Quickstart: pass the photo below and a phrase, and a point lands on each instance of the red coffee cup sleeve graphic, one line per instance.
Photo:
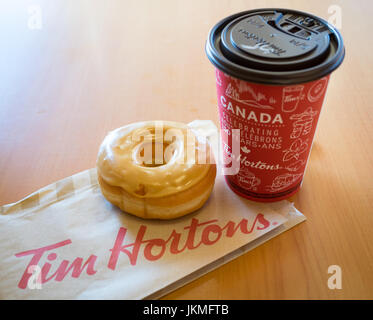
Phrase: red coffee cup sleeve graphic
(277, 125)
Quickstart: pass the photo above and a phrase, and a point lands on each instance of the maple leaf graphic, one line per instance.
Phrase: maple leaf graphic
(244, 149)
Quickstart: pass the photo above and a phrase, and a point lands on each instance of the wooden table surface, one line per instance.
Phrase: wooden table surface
(93, 66)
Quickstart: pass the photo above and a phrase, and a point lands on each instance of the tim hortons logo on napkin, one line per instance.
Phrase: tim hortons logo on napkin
(209, 232)
(82, 247)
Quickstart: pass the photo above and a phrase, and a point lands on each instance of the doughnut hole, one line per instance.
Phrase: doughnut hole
(152, 154)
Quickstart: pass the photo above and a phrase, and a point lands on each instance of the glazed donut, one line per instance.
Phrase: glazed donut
(156, 169)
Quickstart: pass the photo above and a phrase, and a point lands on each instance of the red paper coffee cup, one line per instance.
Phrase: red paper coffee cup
(272, 72)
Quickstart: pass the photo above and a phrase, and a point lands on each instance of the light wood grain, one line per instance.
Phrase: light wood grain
(97, 65)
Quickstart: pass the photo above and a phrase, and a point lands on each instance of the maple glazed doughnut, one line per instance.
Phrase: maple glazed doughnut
(156, 169)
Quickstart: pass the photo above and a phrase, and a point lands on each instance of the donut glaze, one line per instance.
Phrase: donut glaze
(156, 169)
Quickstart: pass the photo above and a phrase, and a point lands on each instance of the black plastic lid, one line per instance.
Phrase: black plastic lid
(275, 46)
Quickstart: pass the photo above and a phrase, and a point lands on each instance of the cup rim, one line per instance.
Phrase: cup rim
(220, 61)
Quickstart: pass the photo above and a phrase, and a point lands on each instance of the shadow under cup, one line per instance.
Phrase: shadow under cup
(272, 71)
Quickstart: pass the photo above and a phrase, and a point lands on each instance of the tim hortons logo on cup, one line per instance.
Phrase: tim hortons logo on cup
(196, 234)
